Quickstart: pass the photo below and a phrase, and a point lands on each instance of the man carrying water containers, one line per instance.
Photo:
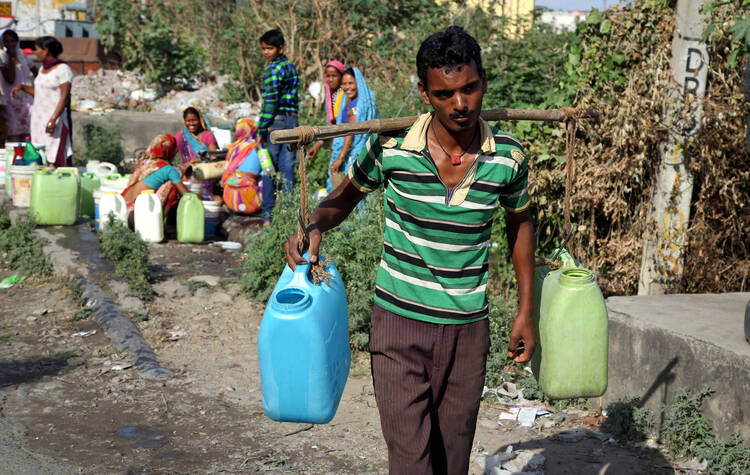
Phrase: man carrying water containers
(442, 179)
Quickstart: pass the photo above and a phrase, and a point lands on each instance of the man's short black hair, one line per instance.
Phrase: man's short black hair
(448, 49)
(273, 38)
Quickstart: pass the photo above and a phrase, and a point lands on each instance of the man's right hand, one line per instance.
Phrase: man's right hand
(293, 254)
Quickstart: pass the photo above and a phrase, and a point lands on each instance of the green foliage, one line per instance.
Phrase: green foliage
(103, 143)
(354, 247)
(129, 253)
(262, 266)
(726, 457)
(82, 314)
(500, 319)
(627, 420)
(737, 28)
(150, 40)
(686, 430)
(21, 247)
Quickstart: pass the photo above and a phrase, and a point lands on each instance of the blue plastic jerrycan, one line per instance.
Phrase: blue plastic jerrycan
(303, 347)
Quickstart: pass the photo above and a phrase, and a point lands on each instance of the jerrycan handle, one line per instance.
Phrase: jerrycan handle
(300, 278)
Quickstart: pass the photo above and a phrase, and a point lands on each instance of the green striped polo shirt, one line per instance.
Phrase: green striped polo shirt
(435, 260)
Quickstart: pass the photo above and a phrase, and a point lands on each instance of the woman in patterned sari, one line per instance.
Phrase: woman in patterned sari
(241, 178)
(154, 171)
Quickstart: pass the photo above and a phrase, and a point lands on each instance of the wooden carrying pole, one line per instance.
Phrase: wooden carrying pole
(323, 132)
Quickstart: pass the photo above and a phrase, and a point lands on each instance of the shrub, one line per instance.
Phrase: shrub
(627, 420)
(21, 247)
(726, 457)
(686, 430)
(103, 143)
(129, 253)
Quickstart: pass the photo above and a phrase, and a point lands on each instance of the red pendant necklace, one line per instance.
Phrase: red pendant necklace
(455, 159)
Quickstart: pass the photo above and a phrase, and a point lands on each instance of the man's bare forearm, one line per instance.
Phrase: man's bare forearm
(333, 210)
(520, 231)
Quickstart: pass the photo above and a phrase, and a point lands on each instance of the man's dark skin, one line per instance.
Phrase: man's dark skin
(455, 95)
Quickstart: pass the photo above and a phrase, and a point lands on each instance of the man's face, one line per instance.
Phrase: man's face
(456, 95)
(270, 52)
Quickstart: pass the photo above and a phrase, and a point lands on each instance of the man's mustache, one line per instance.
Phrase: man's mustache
(462, 114)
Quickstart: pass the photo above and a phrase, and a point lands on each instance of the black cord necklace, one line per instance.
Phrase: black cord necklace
(455, 159)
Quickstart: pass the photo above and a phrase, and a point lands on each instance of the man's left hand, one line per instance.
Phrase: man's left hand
(522, 338)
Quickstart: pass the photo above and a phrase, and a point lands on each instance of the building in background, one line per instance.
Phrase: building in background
(563, 20)
(517, 15)
(70, 21)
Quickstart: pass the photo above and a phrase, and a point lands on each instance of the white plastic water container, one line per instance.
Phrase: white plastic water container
(149, 219)
(196, 187)
(100, 169)
(114, 203)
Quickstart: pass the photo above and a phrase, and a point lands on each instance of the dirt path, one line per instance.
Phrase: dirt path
(69, 402)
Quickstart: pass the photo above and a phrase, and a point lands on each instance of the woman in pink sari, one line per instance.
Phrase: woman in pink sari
(195, 137)
(15, 69)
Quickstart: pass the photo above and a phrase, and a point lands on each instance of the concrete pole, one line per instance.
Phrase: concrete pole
(665, 239)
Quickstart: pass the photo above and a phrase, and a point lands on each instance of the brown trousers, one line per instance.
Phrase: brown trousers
(428, 382)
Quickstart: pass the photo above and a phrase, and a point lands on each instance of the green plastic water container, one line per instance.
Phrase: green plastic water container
(570, 360)
(54, 196)
(190, 219)
(89, 183)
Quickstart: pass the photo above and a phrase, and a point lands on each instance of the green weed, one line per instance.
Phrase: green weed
(108, 351)
(194, 285)
(686, 430)
(66, 353)
(139, 317)
(74, 292)
(129, 253)
(82, 314)
(728, 457)
(21, 248)
(627, 420)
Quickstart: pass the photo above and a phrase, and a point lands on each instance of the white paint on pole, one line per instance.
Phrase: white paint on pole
(665, 239)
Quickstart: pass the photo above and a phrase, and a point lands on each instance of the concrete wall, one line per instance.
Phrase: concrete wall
(658, 344)
(137, 129)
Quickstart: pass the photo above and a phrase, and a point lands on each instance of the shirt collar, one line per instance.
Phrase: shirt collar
(416, 137)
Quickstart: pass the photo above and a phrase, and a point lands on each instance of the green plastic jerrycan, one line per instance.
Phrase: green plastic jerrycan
(190, 219)
(54, 196)
(89, 183)
(570, 360)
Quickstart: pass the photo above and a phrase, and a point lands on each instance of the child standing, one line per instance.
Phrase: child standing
(279, 111)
